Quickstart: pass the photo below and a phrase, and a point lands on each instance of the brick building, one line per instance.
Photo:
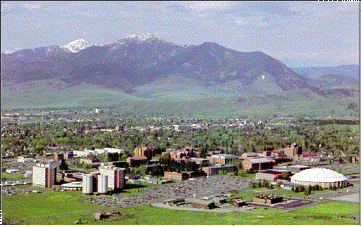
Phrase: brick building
(223, 159)
(256, 164)
(267, 199)
(143, 152)
(176, 176)
(142, 155)
(184, 175)
(271, 175)
(63, 155)
(293, 151)
(213, 170)
(44, 175)
(88, 160)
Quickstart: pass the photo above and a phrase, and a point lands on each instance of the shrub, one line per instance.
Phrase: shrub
(307, 191)
(297, 189)
(302, 189)
(251, 184)
(278, 184)
(241, 173)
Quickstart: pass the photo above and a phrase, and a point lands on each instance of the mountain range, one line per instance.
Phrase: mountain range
(143, 67)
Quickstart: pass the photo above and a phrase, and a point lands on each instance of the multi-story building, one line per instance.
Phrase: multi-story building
(143, 152)
(44, 175)
(293, 151)
(184, 175)
(58, 155)
(89, 160)
(63, 155)
(271, 174)
(176, 176)
(213, 170)
(116, 176)
(223, 159)
(256, 164)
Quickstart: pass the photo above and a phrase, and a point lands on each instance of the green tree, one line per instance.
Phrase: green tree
(251, 184)
(307, 191)
(279, 184)
(297, 189)
(63, 165)
(242, 173)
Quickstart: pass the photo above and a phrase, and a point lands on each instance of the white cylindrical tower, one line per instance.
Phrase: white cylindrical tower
(103, 184)
(88, 184)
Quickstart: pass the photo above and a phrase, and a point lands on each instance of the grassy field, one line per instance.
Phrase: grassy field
(245, 176)
(33, 205)
(244, 195)
(324, 214)
(167, 100)
(5, 175)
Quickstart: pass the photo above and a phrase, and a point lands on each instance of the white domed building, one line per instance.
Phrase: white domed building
(325, 178)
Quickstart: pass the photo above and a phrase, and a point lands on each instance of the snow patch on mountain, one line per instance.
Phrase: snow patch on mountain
(77, 45)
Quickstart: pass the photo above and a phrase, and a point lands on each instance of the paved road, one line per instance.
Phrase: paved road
(343, 195)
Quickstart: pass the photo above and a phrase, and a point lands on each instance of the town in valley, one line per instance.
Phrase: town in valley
(214, 165)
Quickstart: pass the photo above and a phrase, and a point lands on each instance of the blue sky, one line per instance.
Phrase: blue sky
(300, 34)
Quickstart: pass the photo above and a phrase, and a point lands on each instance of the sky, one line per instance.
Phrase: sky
(300, 34)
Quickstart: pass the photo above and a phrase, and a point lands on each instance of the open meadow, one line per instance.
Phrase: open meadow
(54, 208)
(324, 214)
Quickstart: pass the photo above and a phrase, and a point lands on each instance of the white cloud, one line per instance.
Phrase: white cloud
(5, 6)
(32, 5)
(201, 6)
(257, 21)
(348, 7)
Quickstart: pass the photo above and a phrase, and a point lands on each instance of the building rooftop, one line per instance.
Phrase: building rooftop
(215, 167)
(199, 201)
(267, 197)
(224, 156)
(274, 171)
(258, 160)
(318, 175)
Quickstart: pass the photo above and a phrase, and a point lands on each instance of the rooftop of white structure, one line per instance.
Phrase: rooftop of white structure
(319, 175)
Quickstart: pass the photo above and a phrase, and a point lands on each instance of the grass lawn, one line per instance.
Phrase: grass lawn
(245, 176)
(324, 214)
(38, 205)
(23, 186)
(284, 191)
(9, 176)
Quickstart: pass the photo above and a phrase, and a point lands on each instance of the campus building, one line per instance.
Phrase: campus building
(116, 176)
(223, 159)
(255, 164)
(213, 170)
(325, 178)
(183, 176)
(271, 174)
(44, 175)
(108, 178)
(142, 155)
(293, 151)
(267, 199)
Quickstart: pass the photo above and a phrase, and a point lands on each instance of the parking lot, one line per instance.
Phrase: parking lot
(201, 187)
